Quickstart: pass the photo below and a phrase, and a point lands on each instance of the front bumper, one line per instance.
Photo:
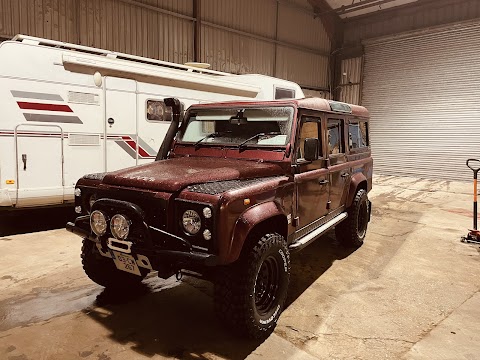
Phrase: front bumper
(175, 250)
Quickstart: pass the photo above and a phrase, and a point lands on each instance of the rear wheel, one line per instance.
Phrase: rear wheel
(353, 229)
(103, 271)
(250, 294)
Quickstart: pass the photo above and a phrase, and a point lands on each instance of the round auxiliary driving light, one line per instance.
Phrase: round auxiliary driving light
(98, 223)
(191, 222)
(78, 209)
(120, 226)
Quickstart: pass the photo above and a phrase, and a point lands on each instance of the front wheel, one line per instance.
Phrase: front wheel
(103, 271)
(353, 229)
(250, 295)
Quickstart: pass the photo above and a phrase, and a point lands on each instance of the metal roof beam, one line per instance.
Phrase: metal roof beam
(361, 5)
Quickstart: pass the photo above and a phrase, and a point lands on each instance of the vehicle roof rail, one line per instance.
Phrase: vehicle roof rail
(113, 54)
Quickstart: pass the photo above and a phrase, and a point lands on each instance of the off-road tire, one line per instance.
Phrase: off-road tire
(102, 270)
(242, 300)
(352, 231)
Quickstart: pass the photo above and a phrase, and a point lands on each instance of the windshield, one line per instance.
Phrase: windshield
(239, 126)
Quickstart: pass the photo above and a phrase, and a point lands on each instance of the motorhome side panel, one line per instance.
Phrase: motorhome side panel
(58, 124)
(42, 108)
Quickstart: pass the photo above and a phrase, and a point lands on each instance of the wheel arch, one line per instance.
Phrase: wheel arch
(358, 181)
(259, 219)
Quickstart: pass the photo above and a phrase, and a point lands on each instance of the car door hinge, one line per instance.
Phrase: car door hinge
(296, 221)
(329, 203)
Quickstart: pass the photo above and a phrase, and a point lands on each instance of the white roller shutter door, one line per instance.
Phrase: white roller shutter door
(423, 93)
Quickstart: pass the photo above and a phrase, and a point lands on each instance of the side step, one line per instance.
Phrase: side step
(310, 237)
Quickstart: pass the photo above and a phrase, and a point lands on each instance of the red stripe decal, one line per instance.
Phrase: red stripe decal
(38, 106)
(143, 153)
(133, 145)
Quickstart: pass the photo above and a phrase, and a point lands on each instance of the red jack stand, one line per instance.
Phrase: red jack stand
(473, 236)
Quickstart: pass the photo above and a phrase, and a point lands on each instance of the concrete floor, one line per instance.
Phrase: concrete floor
(411, 291)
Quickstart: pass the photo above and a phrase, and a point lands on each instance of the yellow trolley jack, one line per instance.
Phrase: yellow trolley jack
(473, 236)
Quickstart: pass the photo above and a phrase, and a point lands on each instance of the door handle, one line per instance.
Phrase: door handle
(323, 182)
(24, 159)
(344, 175)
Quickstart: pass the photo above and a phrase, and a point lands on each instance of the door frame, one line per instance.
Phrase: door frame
(16, 153)
(105, 122)
(344, 155)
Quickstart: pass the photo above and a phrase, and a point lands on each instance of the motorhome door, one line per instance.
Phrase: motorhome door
(39, 165)
(120, 123)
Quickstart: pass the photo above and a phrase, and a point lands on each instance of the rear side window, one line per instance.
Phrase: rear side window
(358, 135)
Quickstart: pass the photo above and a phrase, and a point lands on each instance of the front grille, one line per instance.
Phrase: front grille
(155, 209)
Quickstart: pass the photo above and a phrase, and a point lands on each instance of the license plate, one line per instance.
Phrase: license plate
(125, 262)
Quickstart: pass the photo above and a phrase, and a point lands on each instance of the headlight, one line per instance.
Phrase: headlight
(120, 226)
(191, 222)
(98, 222)
(77, 192)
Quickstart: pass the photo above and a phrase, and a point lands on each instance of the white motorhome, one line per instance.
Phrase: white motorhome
(67, 110)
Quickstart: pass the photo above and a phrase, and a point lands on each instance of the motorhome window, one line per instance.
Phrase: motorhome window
(158, 111)
(358, 135)
(335, 137)
(283, 93)
(234, 126)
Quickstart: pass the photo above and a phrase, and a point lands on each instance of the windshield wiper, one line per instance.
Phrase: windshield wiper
(242, 144)
(211, 135)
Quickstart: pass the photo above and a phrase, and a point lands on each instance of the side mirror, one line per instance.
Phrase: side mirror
(311, 147)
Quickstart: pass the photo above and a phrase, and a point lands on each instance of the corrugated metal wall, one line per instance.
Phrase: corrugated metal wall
(424, 14)
(53, 19)
(422, 93)
(421, 90)
(133, 29)
(351, 79)
(299, 27)
(268, 40)
(241, 36)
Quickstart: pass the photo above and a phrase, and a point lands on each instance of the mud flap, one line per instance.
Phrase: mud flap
(369, 210)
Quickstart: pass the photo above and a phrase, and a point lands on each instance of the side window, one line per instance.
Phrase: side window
(309, 129)
(158, 111)
(335, 137)
(358, 135)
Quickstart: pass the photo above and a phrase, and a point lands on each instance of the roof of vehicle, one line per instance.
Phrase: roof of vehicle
(310, 103)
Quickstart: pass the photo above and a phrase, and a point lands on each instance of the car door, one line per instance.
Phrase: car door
(311, 178)
(339, 172)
